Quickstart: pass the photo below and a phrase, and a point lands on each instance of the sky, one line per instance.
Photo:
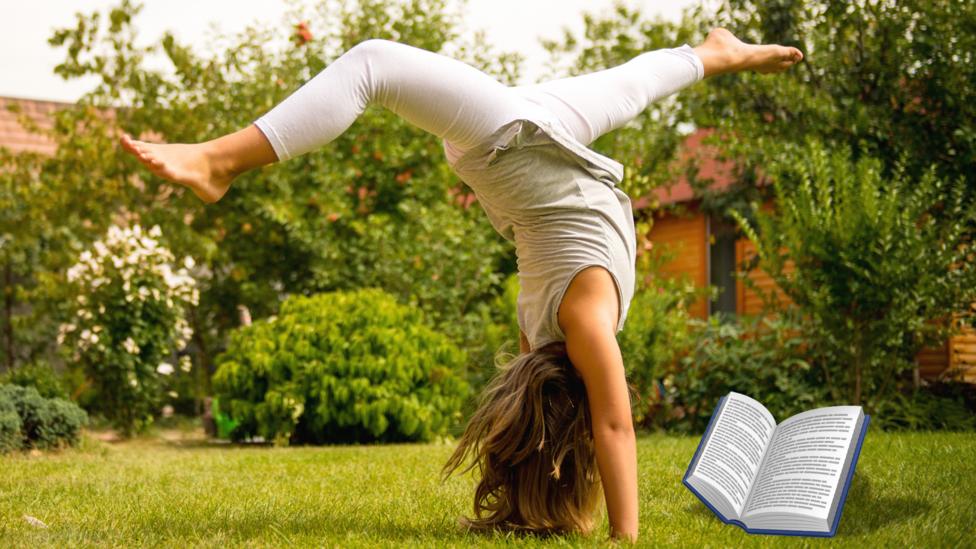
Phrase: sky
(27, 61)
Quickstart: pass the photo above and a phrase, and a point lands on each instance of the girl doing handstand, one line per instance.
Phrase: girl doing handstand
(555, 423)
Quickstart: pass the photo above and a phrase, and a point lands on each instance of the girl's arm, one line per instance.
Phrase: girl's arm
(588, 317)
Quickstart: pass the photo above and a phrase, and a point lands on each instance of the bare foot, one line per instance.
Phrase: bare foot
(722, 52)
(189, 165)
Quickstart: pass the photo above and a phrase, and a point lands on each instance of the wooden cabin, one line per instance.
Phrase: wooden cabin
(709, 251)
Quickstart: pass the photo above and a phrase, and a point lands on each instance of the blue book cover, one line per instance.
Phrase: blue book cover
(853, 452)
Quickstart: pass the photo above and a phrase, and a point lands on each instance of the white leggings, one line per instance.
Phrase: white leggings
(462, 105)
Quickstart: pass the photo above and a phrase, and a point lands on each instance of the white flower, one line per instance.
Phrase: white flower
(165, 368)
(188, 262)
(133, 382)
(100, 248)
(155, 232)
(185, 363)
(131, 346)
(74, 272)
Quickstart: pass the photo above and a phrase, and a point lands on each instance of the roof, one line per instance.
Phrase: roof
(17, 138)
(710, 167)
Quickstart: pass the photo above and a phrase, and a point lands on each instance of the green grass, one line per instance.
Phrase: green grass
(911, 489)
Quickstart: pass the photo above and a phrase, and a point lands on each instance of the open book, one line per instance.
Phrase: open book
(790, 478)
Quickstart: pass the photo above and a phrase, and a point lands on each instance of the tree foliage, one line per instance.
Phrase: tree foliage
(341, 367)
(378, 206)
(878, 264)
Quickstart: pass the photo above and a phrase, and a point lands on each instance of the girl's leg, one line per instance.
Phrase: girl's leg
(593, 104)
(443, 96)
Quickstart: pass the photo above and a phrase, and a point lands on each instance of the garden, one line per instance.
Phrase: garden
(293, 365)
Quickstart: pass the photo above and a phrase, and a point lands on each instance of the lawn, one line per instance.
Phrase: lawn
(910, 489)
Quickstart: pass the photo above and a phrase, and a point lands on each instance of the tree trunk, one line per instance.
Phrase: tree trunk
(8, 313)
(204, 364)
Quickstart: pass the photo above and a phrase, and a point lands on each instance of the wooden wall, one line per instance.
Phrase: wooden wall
(687, 238)
(962, 355)
(747, 300)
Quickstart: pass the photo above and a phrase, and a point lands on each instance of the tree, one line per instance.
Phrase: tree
(332, 219)
(879, 263)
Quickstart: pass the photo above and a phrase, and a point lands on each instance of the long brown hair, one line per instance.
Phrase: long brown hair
(531, 441)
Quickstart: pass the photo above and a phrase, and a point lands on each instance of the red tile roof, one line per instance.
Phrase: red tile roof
(17, 138)
(709, 167)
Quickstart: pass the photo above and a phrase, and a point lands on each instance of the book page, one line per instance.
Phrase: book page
(731, 457)
(806, 456)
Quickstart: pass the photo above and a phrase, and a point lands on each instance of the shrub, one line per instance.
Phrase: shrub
(11, 437)
(764, 358)
(341, 367)
(655, 332)
(876, 261)
(44, 422)
(129, 316)
(38, 375)
(498, 327)
(943, 405)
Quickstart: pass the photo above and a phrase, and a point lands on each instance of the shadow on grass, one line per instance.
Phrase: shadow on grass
(866, 511)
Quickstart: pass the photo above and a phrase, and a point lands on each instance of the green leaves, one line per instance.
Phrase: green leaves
(879, 262)
(342, 367)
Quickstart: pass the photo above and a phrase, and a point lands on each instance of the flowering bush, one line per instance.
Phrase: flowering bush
(129, 317)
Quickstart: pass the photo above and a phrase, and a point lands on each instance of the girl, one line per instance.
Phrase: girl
(555, 422)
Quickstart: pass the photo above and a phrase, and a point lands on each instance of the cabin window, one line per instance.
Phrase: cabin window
(721, 266)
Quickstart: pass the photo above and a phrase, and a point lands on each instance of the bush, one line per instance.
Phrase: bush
(38, 375)
(341, 367)
(940, 405)
(876, 261)
(11, 437)
(765, 359)
(44, 422)
(655, 332)
(498, 330)
(129, 316)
